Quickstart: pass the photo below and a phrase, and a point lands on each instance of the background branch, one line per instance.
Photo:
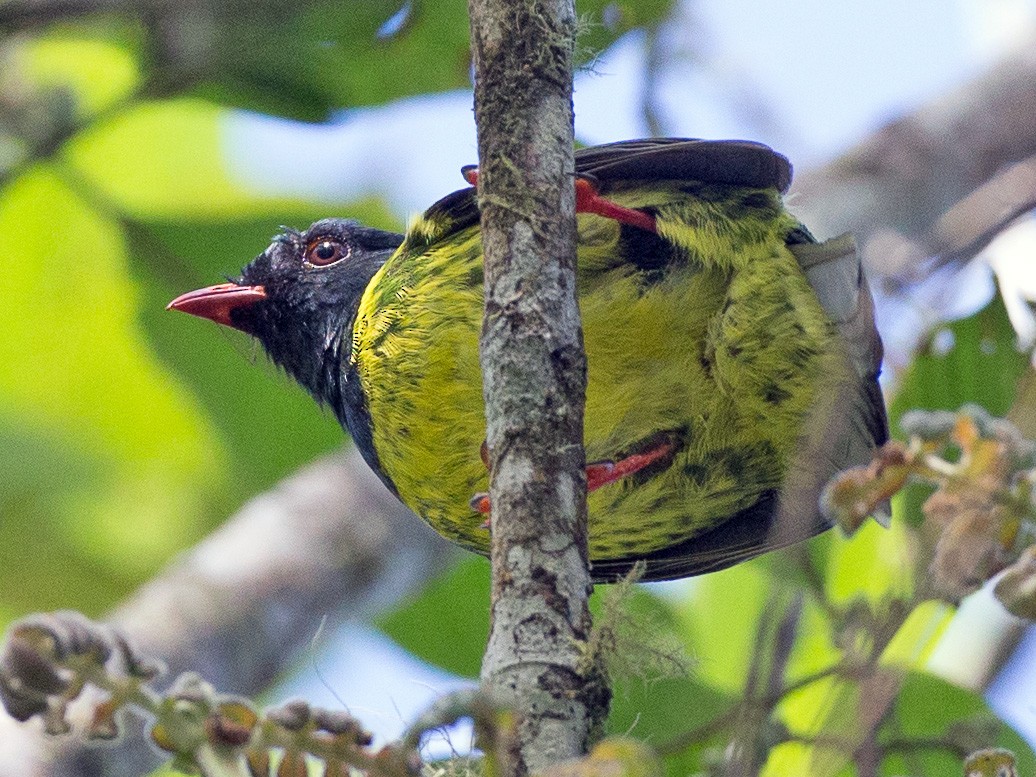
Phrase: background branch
(916, 168)
(243, 604)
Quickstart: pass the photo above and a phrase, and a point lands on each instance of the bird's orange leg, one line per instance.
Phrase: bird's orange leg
(588, 200)
(598, 473)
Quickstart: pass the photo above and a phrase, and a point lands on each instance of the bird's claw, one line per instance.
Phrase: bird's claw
(589, 200)
(598, 473)
(480, 503)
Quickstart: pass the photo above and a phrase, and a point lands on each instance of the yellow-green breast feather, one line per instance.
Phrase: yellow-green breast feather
(719, 344)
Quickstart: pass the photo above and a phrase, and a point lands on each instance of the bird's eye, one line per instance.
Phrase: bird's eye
(325, 251)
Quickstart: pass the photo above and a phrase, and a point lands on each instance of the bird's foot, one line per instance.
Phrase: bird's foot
(589, 200)
(598, 473)
(601, 473)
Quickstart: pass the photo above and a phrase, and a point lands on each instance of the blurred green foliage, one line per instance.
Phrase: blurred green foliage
(126, 434)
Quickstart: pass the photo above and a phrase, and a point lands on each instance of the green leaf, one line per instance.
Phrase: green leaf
(843, 711)
(75, 368)
(97, 72)
(304, 60)
(931, 725)
(918, 636)
(448, 622)
(930, 708)
(723, 615)
(982, 366)
(41, 473)
(722, 644)
(165, 159)
(875, 564)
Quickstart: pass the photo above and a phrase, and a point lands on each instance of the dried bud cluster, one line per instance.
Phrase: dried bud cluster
(192, 717)
(290, 732)
(994, 762)
(862, 491)
(617, 756)
(47, 661)
(982, 513)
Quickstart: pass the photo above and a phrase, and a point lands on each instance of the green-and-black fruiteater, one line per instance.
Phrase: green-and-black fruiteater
(732, 359)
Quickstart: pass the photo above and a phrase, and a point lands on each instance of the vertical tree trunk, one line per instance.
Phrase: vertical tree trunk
(534, 373)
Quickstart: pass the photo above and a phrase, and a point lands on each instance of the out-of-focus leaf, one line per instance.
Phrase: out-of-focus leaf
(915, 640)
(304, 59)
(982, 366)
(928, 707)
(722, 619)
(73, 364)
(875, 564)
(162, 160)
(97, 72)
(75, 370)
(721, 616)
(448, 622)
(844, 711)
(787, 759)
(41, 473)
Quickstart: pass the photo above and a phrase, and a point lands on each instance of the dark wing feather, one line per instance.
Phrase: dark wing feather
(743, 536)
(730, 162)
(834, 270)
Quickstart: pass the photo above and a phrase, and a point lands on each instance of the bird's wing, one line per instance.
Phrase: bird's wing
(850, 419)
(834, 271)
(730, 162)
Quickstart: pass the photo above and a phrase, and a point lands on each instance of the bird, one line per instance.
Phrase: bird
(732, 358)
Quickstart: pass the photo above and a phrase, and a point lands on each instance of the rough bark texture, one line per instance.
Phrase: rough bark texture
(241, 605)
(534, 371)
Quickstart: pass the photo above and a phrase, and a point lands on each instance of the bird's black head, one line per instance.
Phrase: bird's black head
(299, 298)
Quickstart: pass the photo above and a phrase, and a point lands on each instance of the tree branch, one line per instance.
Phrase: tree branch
(534, 373)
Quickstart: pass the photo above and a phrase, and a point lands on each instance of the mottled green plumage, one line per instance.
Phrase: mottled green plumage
(708, 334)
